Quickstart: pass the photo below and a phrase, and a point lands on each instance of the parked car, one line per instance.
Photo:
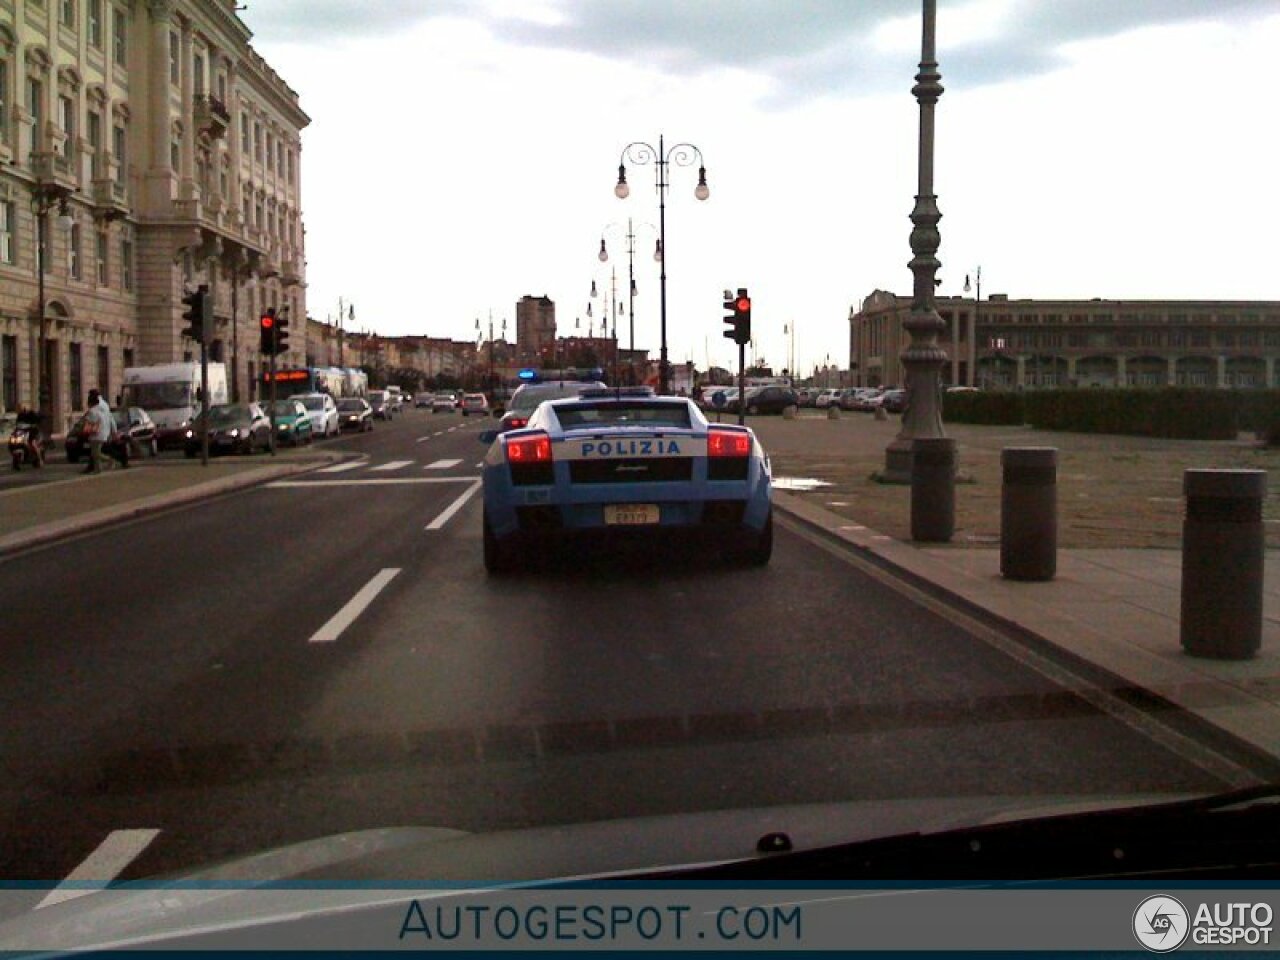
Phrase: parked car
(293, 426)
(140, 427)
(763, 400)
(322, 411)
(709, 395)
(474, 403)
(421, 400)
(825, 397)
(355, 413)
(233, 428)
(379, 401)
(866, 398)
(807, 396)
(894, 401)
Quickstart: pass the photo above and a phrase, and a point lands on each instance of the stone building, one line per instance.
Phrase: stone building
(154, 150)
(1050, 343)
(535, 326)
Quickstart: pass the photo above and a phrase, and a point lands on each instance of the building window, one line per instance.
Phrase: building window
(128, 358)
(119, 36)
(9, 363)
(95, 23)
(118, 141)
(73, 252)
(102, 258)
(1226, 338)
(271, 154)
(95, 142)
(257, 142)
(104, 371)
(1199, 338)
(67, 13)
(4, 100)
(175, 58)
(174, 154)
(6, 231)
(289, 164)
(75, 375)
(222, 87)
(126, 264)
(1177, 338)
(1151, 338)
(35, 100)
(67, 118)
(244, 133)
(197, 71)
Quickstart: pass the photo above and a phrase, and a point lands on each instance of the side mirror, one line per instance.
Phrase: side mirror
(487, 436)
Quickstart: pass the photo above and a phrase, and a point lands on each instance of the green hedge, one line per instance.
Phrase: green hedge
(1189, 413)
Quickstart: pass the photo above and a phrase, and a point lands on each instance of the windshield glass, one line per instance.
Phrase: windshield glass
(1014, 568)
(614, 414)
(285, 408)
(160, 396)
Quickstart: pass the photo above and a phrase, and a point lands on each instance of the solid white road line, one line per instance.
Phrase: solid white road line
(365, 481)
(355, 606)
(454, 507)
(442, 465)
(393, 465)
(102, 866)
(340, 467)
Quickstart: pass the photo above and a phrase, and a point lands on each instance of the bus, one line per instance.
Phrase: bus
(335, 381)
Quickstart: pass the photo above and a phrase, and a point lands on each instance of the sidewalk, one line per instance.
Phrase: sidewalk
(45, 512)
(1116, 608)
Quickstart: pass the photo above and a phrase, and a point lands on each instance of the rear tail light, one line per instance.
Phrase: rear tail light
(516, 423)
(530, 460)
(728, 443)
(535, 448)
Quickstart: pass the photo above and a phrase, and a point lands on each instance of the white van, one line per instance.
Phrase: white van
(170, 393)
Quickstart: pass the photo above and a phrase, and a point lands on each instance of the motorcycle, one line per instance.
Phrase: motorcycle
(24, 446)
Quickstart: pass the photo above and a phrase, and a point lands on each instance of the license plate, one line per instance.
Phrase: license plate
(630, 514)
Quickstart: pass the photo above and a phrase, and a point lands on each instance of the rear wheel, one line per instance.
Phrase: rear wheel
(498, 556)
(752, 409)
(756, 548)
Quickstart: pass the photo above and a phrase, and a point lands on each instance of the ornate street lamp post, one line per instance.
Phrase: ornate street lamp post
(683, 155)
(924, 358)
(973, 325)
(631, 276)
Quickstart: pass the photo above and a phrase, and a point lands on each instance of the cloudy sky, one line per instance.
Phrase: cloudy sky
(463, 153)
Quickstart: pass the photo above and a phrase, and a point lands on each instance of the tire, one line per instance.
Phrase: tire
(498, 557)
(756, 549)
(73, 457)
(752, 409)
(155, 447)
(191, 454)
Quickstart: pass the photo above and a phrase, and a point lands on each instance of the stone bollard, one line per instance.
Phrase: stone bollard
(882, 413)
(789, 412)
(933, 489)
(833, 412)
(1029, 513)
(1222, 563)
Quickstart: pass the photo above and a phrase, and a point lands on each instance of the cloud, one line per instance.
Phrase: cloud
(807, 49)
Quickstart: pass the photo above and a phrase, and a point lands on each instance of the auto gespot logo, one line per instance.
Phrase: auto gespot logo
(1161, 924)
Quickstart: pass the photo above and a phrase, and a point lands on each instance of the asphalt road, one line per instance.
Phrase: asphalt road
(204, 677)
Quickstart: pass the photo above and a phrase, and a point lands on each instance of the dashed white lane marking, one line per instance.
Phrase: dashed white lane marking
(117, 851)
(442, 465)
(355, 606)
(340, 467)
(392, 465)
(363, 481)
(447, 514)
(420, 439)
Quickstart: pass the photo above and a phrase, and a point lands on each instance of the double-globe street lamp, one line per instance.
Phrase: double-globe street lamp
(682, 155)
(46, 195)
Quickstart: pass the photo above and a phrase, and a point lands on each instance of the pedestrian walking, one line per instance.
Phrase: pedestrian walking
(116, 445)
(97, 430)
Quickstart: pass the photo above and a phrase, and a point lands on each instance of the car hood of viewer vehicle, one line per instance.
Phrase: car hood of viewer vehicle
(376, 868)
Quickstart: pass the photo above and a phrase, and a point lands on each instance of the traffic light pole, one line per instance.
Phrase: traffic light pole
(204, 401)
(272, 399)
(742, 380)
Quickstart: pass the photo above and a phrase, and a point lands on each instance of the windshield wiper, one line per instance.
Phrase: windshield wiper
(1227, 836)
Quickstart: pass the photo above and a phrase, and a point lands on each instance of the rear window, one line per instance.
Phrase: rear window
(527, 397)
(615, 414)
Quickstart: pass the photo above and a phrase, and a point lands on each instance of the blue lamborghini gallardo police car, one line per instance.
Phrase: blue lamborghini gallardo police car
(622, 462)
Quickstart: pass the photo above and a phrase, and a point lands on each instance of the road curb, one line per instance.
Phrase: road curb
(106, 516)
(1244, 720)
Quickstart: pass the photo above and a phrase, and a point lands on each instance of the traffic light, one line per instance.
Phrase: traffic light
(267, 332)
(282, 331)
(738, 317)
(196, 314)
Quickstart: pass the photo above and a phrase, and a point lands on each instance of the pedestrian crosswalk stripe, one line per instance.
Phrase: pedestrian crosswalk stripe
(340, 467)
(393, 465)
(442, 465)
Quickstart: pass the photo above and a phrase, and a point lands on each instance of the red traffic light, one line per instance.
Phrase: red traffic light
(268, 321)
(742, 304)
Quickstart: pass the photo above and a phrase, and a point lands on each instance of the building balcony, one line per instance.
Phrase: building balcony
(211, 115)
(50, 167)
(110, 198)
